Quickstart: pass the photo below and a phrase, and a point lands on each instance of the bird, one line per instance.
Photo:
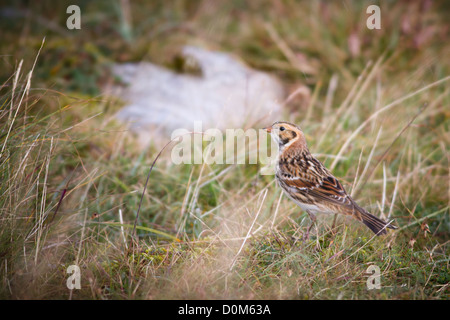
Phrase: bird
(307, 182)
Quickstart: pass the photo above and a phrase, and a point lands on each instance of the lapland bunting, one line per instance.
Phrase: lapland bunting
(309, 184)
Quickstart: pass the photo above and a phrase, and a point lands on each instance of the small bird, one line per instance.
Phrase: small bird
(307, 182)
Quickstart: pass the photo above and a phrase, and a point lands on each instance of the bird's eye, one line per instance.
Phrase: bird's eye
(282, 128)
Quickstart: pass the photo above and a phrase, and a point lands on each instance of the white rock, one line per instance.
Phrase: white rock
(227, 95)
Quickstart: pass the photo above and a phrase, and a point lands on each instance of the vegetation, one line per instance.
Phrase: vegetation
(374, 105)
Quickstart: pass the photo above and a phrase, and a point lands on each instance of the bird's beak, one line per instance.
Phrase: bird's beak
(268, 129)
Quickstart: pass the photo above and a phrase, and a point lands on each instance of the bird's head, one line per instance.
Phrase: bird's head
(286, 134)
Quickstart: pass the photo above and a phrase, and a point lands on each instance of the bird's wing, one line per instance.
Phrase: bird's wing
(308, 176)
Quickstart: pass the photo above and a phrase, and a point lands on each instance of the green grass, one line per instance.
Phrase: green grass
(69, 171)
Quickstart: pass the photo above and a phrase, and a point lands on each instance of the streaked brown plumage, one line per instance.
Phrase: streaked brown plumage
(309, 184)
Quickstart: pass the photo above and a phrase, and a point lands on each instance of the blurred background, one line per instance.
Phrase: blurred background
(374, 105)
(317, 38)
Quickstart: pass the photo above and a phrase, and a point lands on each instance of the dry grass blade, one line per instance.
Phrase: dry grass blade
(385, 108)
(421, 110)
(148, 176)
(249, 230)
(423, 218)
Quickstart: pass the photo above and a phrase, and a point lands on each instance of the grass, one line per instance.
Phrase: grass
(374, 106)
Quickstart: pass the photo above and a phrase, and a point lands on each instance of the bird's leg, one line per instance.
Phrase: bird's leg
(313, 221)
(334, 223)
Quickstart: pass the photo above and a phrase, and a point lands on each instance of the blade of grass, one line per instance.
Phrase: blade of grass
(385, 108)
(125, 225)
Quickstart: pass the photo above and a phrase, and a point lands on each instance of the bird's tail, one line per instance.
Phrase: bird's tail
(375, 224)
